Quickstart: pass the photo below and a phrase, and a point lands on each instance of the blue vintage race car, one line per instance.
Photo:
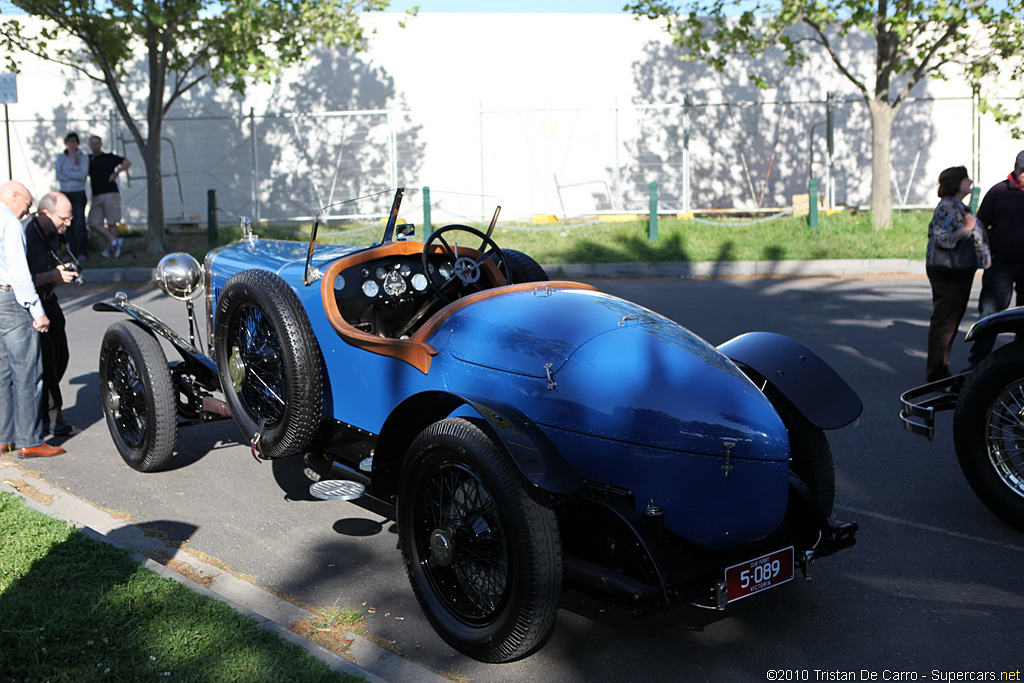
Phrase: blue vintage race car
(530, 433)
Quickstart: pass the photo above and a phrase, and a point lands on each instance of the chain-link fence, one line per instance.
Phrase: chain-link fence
(738, 156)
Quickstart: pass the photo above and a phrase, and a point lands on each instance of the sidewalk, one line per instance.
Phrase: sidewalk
(811, 268)
(372, 662)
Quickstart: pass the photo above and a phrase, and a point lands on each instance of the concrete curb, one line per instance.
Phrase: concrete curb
(372, 662)
(721, 269)
(811, 268)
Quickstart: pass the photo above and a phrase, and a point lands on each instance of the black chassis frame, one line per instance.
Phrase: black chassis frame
(611, 552)
(918, 406)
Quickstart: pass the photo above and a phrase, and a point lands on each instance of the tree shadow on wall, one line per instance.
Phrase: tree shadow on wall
(745, 155)
(311, 147)
(336, 139)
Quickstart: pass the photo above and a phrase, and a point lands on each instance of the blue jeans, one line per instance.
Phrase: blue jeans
(997, 286)
(21, 375)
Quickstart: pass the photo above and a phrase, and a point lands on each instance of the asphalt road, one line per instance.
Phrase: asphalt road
(932, 586)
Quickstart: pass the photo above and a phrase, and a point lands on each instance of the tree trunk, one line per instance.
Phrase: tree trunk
(882, 117)
(154, 196)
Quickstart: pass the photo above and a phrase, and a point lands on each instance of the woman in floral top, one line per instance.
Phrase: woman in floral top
(952, 223)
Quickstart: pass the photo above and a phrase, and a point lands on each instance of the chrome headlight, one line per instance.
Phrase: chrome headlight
(180, 276)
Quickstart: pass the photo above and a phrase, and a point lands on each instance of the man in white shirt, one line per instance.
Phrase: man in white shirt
(21, 320)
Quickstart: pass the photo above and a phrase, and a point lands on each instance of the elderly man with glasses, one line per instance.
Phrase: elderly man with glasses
(22, 318)
(43, 237)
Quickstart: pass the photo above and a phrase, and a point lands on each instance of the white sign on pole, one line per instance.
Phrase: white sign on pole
(9, 88)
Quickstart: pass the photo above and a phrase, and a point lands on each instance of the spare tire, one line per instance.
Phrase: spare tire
(523, 267)
(269, 363)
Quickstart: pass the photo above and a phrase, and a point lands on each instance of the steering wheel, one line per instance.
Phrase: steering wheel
(466, 271)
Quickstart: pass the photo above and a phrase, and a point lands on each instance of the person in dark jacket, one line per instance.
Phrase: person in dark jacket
(1002, 215)
(43, 235)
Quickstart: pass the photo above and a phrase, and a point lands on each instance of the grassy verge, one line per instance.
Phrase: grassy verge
(838, 236)
(75, 609)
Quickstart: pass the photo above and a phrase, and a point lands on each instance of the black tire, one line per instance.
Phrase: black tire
(989, 434)
(269, 362)
(484, 558)
(137, 396)
(524, 268)
(809, 451)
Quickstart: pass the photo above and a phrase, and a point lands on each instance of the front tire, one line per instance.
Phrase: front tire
(484, 558)
(988, 431)
(137, 397)
(269, 362)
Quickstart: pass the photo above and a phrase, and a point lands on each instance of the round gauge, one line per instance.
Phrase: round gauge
(339, 283)
(446, 270)
(366, 272)
(380, 273)
(394, 285)
(370, 288)
(405, 270)
(419, 282)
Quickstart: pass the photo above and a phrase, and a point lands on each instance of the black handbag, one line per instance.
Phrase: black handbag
(960, 259)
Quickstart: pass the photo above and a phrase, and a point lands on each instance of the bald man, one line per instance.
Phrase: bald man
(21, 320)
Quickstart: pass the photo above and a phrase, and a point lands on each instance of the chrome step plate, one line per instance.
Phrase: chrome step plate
(337, 489)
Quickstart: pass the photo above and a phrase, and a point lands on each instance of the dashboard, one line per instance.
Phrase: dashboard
(390, 279)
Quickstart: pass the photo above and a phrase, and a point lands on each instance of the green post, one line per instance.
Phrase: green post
(812, 200)
(652, 223)
(975, 199)
(211, 217)
(427, 227)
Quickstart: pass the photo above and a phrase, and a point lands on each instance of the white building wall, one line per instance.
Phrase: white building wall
(545, 114)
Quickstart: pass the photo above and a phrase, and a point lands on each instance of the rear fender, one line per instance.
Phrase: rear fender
(1010, 320)
(538, 460)
(810, 384)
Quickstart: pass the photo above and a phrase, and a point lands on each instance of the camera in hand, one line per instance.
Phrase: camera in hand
(73, 267)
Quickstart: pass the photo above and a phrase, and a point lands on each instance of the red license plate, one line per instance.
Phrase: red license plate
(754, 576)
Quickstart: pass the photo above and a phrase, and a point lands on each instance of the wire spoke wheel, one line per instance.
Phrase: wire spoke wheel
(256, 350)
(459, 530)
(138, 396)
(129, 398)
(484, 556)
(988, 430)
(1005, 436)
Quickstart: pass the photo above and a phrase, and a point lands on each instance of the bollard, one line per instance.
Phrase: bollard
(812, 200)
(652, 223)
(427, 228)
(211, 217)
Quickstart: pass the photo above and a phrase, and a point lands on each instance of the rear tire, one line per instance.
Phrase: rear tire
(988, 431)
(809, 450)
(484, 558)
(137, 396)
(523, 267)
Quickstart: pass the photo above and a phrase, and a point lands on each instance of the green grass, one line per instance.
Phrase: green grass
(76, 609)
(838, 236)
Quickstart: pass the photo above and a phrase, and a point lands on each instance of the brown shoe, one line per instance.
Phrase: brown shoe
(7, 448)
(43, 451)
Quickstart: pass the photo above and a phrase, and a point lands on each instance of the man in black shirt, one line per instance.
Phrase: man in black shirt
(43, 236)
(106, 198)
(1002, 215)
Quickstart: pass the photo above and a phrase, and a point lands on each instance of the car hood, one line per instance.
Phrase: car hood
(612, 369)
